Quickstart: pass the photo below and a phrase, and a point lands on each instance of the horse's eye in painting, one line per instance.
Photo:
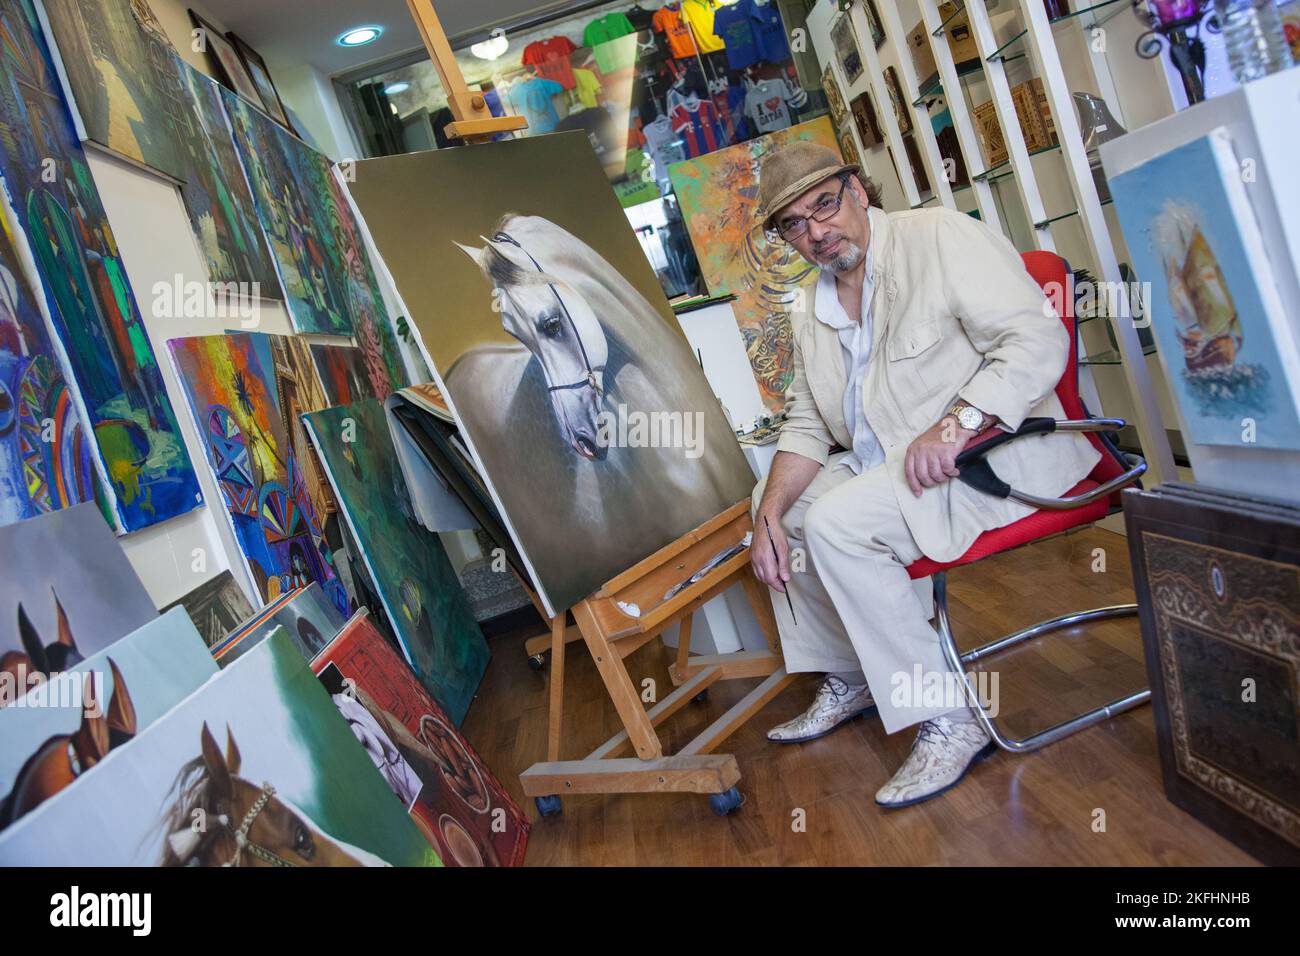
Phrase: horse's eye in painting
(302, 843)
(551, 325)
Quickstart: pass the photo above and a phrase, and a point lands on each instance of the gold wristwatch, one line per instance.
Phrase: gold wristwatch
(968, 417)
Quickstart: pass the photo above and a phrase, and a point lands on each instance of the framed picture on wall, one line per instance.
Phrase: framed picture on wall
(230, 70)
(261, 77)
(901, 111)
(846, 49)
(873, 20)
(834, 99)
(864, 115)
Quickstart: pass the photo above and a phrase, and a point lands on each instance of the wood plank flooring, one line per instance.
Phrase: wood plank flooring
(1034, 809)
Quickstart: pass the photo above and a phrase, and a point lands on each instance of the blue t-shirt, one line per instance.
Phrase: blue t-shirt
(533, 99)
(769, 31)
(732, 26)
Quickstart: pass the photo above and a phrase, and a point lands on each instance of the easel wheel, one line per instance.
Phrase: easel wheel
(549, 806)
(723, 803)
(701, 697)
(536, 662)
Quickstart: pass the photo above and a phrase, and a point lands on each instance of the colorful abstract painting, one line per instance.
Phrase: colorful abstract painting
(45, 459)
(234, 393)
(326, 274)
(115, 373)
(123, 81)
(450, 793)
(60, 731)
(311, 620)
(262, 744)
(550, 335)
(718, 194)
(67, 590)
(421, 594)
(342, 371)
(216, 195)
(1212, 301)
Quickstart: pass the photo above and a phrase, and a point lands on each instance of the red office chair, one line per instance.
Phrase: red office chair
(1090, 500)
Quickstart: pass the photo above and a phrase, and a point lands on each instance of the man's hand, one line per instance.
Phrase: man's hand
(932, 457)
(772, 569)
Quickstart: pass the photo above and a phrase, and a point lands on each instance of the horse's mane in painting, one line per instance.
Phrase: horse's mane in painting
(188, 792)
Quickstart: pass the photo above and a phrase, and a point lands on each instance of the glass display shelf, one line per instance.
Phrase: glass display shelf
(1065, 215)
(961, 7)
(1094, 15)
(1003, 170)
(1111, 357)
(934, 85)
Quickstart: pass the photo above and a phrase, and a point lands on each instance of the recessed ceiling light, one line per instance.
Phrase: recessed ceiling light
(396, 88)
(360, 36)
(492, 48)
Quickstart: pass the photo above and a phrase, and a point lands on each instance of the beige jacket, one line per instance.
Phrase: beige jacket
(954, 314)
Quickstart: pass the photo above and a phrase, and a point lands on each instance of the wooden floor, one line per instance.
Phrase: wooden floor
(1035, 809)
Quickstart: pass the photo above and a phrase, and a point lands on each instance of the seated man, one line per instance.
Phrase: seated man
(922, 331)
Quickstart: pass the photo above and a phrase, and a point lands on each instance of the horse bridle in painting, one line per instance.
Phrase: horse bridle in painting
(590, 380)
(243, 844)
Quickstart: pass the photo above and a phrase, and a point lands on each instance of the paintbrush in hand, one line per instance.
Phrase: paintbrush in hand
(772, 542)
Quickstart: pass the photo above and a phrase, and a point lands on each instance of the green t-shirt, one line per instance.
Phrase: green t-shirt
(599, 33)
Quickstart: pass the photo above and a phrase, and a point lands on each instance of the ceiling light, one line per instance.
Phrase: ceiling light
(491, 48)
(360, 36)
(395, 88)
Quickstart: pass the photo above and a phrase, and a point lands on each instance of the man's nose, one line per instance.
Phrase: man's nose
(816, 230)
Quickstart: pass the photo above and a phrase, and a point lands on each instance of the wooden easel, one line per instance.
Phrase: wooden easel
(474, 122)
(610, 633)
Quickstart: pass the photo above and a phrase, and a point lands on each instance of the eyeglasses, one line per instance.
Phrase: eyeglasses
(795, 228)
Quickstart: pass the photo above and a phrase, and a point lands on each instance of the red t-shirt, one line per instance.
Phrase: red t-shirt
(551, 57)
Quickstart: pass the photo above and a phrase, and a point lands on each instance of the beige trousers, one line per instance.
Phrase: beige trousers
(855, 606)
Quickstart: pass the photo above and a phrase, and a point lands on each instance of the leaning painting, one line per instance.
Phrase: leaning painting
(1213, 304)
(258, 750)
(576, 391)
(328, 281)
(717, 195)
(63, 227)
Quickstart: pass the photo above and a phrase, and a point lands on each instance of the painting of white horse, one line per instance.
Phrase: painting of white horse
(594, 428)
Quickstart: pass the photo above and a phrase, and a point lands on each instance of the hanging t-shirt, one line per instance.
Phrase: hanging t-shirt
(732, 26)
(586, 88)
(696, 122)
(699, 14)
(639, 18)
(551, 57)
(609, 27)
(533, 100)
(736, 106)
(664, 147)
(769, 31)
(767, 104)
(669, 22)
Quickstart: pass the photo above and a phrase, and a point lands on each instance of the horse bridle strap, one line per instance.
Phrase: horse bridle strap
(590, 380)
(244, 844)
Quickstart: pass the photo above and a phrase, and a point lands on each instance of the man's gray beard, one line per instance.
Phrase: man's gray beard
(846, 260)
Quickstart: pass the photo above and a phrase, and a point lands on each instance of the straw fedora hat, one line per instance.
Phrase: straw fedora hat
(787, 173)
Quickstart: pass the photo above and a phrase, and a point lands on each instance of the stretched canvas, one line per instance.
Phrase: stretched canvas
(262, 741)
(450, 793)
(1213, 303)
(556, 351)
(216, 195)
(233, 388)
(61, 730)
(717, 195)
(422, 597)
(217, 607)
(125, 89)
(100, 333)
(327, 277)
(45, 459)
(342, 371)
(310, 619)
(67, 591)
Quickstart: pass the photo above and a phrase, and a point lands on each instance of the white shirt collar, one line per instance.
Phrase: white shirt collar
(827, 306)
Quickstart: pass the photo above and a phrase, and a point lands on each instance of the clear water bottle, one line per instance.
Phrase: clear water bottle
(1253, 34)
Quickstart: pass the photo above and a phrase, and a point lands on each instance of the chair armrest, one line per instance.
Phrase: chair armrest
(978, 474)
